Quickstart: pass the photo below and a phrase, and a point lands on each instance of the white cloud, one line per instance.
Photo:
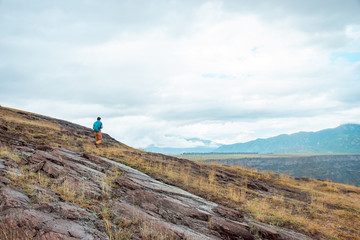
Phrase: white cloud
(353, 31)
(227, 71)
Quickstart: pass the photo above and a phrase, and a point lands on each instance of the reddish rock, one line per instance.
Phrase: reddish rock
(47, 225)
(53, 236)
(127, 184)
(5, 180)
(37, 166)
(228, 213)
(2, 166)
(51, 169)
(12, 198)
(136, 198)
(266, 232)
(24, 150)
(9, 163)
(44, 148)
(67, 211)
(40, 156)
(40, 193)
(97, 160)
(230, 229)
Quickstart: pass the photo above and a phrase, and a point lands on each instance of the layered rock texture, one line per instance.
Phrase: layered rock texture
(56, 185)
(131, 198)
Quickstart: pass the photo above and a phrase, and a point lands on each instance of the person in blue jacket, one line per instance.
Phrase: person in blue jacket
(97, 126)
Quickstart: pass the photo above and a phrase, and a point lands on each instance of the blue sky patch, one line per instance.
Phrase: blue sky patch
(350, 56)
(214, 75)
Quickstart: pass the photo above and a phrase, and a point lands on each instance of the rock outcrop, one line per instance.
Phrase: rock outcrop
(61, 194)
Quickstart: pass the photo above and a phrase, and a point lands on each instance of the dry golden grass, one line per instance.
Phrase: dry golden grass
(108, 182)
(8, 233)
(7, 152)
(115, 228)
(332, 211)
(27, 179)
(150, 230)
(66, 189)
(10, 116)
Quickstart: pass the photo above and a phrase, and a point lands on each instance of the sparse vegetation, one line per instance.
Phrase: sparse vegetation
(150, 230)
(321, 209)
(6, 152)
(31, 123)
(11, 234)
(337, 167)
(332, 212)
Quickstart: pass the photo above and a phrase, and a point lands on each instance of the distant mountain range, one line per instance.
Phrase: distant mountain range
(343, 139)
(203, 146)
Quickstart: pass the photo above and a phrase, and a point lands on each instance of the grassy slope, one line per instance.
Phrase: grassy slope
(336, 167)
(321, 209)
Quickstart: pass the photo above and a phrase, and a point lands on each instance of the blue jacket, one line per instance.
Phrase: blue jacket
(97, 126)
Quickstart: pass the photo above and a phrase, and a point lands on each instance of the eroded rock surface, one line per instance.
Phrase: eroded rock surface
(110, 196)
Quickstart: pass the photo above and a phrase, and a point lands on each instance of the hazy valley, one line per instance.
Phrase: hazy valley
(342, 168)
(342, 139)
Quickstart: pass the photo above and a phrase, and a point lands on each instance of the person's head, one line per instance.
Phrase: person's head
(99, 118)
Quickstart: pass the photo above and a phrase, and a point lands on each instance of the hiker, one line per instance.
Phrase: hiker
(97, 126)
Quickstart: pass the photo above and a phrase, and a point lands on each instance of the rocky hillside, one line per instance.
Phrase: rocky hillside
(62, 194)
(56, 185)
(343, 139)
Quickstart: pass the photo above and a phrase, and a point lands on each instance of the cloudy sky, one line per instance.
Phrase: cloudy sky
(163, 71)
